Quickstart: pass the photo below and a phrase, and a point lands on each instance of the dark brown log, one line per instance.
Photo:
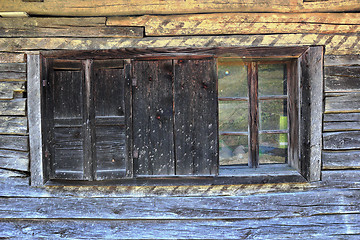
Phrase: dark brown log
(253, 115)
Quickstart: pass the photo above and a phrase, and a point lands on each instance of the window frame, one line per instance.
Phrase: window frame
(305, 156)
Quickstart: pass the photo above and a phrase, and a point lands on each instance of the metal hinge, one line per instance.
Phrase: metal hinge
(135, 154)
(44, 83)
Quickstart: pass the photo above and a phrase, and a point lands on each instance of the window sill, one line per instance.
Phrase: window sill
(229, 175)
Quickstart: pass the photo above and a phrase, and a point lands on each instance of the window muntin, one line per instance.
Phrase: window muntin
(266, 84)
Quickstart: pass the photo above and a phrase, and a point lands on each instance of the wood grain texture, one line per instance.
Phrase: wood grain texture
(342, 78)
(341, 140)
(12, 58)
(12, 142)
(342, 102)
(9, 88)
(335, 44)
(13, 67)
(13, 125)
(133, 7)
(242, 23)
(341, 159)
(341, 122)
(64, 27)
(16, 160)
(14, 107)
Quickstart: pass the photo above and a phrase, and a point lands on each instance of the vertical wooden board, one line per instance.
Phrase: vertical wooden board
(196, 124)
(110, 139)
(253, 115)
(153, 118)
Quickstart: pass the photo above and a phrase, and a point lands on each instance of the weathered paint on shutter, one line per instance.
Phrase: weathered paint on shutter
(153, 118)
(196, 111)
(109, 89)
(65, 101)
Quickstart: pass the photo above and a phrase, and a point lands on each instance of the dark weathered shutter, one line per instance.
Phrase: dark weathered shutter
(153, 118)
(110, 91)
(196, 111)
(65, 116)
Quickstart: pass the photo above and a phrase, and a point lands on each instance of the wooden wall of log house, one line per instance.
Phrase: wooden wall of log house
(86, 25)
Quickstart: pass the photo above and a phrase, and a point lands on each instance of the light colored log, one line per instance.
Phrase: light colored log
(13, 67)
(342, 102)
(7, 88)
(335, 44)
(13, 125)
(14, 160)
(141, 7)
(14, 107)
(12, 58)
(13, 14)
(11, 142)
(341, 159)
(242, 23)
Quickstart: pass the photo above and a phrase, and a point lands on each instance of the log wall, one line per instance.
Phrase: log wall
(327, 209)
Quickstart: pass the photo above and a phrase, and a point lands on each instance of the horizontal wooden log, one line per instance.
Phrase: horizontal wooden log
(342, 117)
(240, 23)
(341, 140)
(12, 75)
(7, 88)
(341, 60)
(338, 226)
(14, 107)
(342, 102)
(137, 7)
(13, 125)
(10, 142)
(342, 78)
(309, 203)
(341, 122)
(341, 159)
(338, 44)
(13, 67)
(16, 160)
(64, 27)
(12, 58)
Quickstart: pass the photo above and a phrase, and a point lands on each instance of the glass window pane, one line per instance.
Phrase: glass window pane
(232, 74)
(272, 79)
(233, 150)
(273, 114)
(273, 148)
(233, 116)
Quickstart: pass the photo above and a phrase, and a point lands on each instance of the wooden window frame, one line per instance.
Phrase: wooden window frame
(306, 138)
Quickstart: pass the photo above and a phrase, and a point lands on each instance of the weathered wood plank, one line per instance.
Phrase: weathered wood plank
(64, 27)
(341, 126)
(341, 140)
(14, 160)
(12, 75)
(11, 142)
(341, 159)
(125, 7)
(342, 78)
(13, 67)
(339, 226)
(309, 203)
(335, 45)
(240, 23)
(14, 107)
(12, 58)
(340, 60)
(341, 121)
(342, 102)
(342, 117)
(7, 88)
(13, 125)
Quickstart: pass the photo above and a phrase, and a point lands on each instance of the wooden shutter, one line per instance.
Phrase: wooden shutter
(110, 91)
(196, 110)
(65, 119)
(153, 117)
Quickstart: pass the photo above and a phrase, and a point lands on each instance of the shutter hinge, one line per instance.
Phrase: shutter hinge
(134, 82)
(135, 154)
(44, 82)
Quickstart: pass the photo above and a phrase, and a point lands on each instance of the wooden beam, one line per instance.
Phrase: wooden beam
(341, 159)
(13, 14)
(12, 58)
(16, 160)
(242, 23)
(335, 44)
(64, 27)
(342, 102)
(13, 125)
(141, 7)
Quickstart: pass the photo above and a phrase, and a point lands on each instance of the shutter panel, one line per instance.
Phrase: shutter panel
(109, 90)
(196, 110)
(153, 118)
(66, 116)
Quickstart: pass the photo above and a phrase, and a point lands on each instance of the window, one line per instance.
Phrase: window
(197, 116)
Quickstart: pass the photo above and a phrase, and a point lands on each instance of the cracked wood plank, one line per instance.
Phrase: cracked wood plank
(16, 160)
(242, 23)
